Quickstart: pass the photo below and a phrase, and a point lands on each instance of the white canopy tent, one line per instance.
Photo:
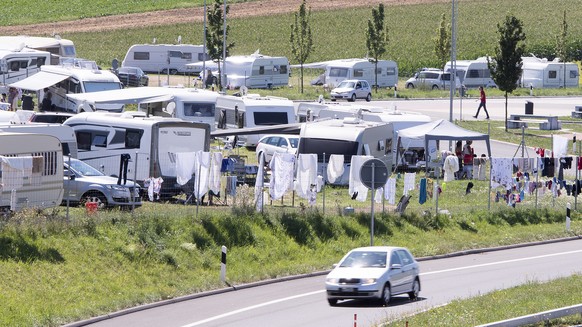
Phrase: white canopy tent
(436, 131)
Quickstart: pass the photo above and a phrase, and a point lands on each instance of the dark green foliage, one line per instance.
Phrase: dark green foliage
(376, 39)
(215, 35)
(468, 226)
(169, 257)
(351, 231)
(529, 217)
(19, 249)
(152, 233)
(296, 228)
(201, 238)
(230, 230)
(442, 43)
(301, 39)
(325, 228)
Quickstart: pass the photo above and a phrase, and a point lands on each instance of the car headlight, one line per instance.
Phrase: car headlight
(332, 280)
(117, 187)
(366, 281)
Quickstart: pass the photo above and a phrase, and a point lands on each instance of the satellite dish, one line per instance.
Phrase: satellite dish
(115, 64)
(320, 98)
(170, 108)
(244, 90)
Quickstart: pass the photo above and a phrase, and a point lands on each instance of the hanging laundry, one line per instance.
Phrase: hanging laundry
(335, 167)
(356, 187)
(306, 174)
(282, 169)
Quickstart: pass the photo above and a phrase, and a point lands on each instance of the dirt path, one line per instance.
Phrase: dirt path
(168, 17)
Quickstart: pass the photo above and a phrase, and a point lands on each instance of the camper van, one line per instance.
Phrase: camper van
(41, 184)
(73, 76)
(541, 73)
(473, 73)
(149, 143)
(56, 46)
(339, 70)
(253, 71)
(64, 134)
(349, 136)
(398, 119)
(252, 110)
(164, 58)
(18, 64)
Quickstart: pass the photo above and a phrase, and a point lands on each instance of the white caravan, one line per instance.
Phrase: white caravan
(473, 73)
(150, 143)
(56, 46)
(32, 171)
(541, 73)
(398, 119)
(196, 105)
(164, 58)
(348, 137)
(20, 63)
(253, 71)
(339, 70)
(64, 133)
(73, 76)
(253, 110)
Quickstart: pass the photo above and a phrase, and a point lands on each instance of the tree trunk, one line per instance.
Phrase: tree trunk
(506, 111)
(301, 78)
(376, 75)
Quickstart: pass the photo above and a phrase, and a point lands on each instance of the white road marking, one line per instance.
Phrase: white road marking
(231, 313)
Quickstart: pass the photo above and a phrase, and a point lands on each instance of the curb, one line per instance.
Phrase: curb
(295, 277)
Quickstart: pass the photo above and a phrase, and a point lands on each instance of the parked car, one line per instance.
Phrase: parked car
(132, 76)
(269, 144)
(83, 183)
(431, 79)
(352, 89)
(374, 273)
(49, 117)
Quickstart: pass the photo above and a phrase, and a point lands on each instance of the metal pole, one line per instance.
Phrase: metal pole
(453, 59)
(204, 50)
(134, 182)
(224, 48)
(322, 174)
(372, 202)
(168, 71)
(68, 187)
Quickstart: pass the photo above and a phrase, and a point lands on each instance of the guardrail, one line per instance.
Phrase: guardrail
(537, 317)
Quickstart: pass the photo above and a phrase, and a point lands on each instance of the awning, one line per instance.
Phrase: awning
(39, 81)
(133, 95)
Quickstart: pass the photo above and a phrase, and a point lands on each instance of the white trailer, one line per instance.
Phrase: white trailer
(164, 58)
(64, 133)
(152, 142)
(252, 71)
(72, 76)
(32, 171)
(541, 73)
(347, 137)
(56, 46)
(253, 110)
(20, 63)
(339, 70)
(473, 73)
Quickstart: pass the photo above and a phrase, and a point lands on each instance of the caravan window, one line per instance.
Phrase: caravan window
(283, 69)
(358, 72)
(141, 55)
(391, 71)
(379, 70)
(552, 74)
(69, 51)
(338, 72)
(186, 56)
(101, 86)
(199, 109)
(83, 140)
(100, 141)
(270, 118)
(573, 73)
(132, 138)
(261, 70)
(14, 66)
(203, 57)
(329, 147)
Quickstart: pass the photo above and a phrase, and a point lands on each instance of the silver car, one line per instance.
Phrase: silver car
(374, 273)
(352, 89)
(83, 183)
(269, 144)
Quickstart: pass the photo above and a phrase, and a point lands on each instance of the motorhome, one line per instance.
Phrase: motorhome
(252, 71)
(149, 144)
(398, 119)
(73, 76)
(349, 136)
(164, 58)
(56, 46)
(32, 171)
(64, 133)
(252, 110)
(20, 63)
(473, 73)
(541, 73)
(355, 68)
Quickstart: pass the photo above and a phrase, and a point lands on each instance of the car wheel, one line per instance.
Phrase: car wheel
(386, 295)
(95, 197)
(409, 86)
(332, 302)
(369, 97)
(353, 98)
(435, 87)
(413, 295)
(173, 71)
(333, 100)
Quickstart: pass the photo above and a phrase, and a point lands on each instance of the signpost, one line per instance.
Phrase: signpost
(373, 174)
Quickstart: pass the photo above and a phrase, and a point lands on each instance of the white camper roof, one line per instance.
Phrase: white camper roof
(340, 63)
(348, 128)
(134, 118)
(144, 94)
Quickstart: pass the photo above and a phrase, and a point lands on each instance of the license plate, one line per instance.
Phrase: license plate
(349, 290)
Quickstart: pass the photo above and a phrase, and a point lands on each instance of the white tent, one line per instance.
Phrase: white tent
(439, 130)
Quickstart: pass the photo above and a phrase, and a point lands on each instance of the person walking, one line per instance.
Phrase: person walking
(482, 103)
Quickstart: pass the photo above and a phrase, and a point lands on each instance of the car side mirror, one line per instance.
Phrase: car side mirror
(396, 266)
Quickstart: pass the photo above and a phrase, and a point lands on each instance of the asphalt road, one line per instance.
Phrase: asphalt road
(302, 302)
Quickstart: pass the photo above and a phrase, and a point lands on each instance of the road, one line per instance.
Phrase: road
(302, 302)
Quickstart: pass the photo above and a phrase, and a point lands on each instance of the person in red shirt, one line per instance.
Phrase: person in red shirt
(482, 103)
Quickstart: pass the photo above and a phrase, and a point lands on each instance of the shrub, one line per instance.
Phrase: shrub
(297, 228)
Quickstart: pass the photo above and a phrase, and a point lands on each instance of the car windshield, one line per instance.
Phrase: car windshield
(365, 259)
(128, 70)
(82, 168)
(101, 86)
(347, 84)
(294, 142)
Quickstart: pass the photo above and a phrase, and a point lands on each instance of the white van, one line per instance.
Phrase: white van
(150, 143)
(164, 58)
(473, 73)
(32, 171)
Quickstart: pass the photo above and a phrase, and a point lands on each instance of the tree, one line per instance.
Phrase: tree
(506, 65)
(561, 45)
(301, 40)
(376, 39)
(442, 43)
(216, 34)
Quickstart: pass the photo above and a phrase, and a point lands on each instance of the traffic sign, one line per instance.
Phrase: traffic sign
(374, 173)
